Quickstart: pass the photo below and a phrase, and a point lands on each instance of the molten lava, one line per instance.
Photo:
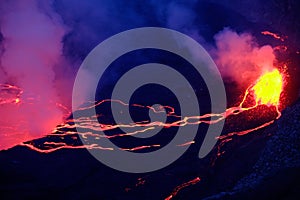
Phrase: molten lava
(25, 117)
(268, 88)
(274, 35)
(265, 91)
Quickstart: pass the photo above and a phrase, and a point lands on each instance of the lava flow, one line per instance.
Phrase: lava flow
(274, 35)
(26, 116)
(180, 187)
(265, 92)
(9, 94)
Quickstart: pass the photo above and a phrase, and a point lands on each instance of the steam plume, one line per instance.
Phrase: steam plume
(239, 58)
(32, 46)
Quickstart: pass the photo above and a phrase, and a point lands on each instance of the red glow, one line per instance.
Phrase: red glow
(255, 92)
(25, 117)
(140, 147)
(274, 35)
(180, 187)
(268, 88)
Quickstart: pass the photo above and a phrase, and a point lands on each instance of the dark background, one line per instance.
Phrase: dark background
(262, 165)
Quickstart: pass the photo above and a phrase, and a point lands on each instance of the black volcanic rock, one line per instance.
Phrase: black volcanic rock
(265, 167)
(276, 173)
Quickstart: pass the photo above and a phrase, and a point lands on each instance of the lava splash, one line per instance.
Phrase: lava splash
(268, 88)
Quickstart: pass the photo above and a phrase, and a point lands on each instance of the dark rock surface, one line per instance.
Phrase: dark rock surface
(276, 173)
(263, 166)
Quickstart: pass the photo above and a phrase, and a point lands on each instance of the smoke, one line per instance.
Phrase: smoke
(239, 58)
(180, 16)
(32, 45)
(43, 44)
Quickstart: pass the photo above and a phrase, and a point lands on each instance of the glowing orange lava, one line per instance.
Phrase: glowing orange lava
(180, 187)
(26, 117)
(268, 88)
(274, 35)
(265, 91)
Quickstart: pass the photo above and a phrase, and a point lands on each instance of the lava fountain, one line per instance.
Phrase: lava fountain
(268, 88)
